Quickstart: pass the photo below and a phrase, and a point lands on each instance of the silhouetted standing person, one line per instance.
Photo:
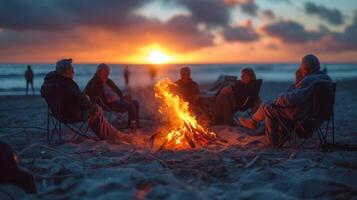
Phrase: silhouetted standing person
(153, 73)
(29, 79)
(126, 76)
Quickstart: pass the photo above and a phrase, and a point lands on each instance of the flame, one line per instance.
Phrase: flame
(183, 130)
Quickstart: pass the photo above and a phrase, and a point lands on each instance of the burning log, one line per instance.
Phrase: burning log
(183, 130)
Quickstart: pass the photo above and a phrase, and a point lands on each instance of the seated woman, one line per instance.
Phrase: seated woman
(100, 86)
(241, 96)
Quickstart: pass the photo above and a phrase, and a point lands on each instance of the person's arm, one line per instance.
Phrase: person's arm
(78, 97)
(115, 88)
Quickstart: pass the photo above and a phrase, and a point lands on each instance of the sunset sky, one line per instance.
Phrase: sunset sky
(177, 31)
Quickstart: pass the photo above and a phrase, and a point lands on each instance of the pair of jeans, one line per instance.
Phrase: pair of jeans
(131, 106)
(269, 113)
(100, 125)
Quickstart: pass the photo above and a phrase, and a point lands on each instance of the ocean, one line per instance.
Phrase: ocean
(12, 80)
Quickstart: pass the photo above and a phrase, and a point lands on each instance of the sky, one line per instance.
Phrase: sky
(177, 31)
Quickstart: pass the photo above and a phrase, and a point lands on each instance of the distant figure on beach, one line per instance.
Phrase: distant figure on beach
(100, 86)
(233, 98)
(187, 88)
(12, 173)
(291, 105)
(153, 73)
(324, 70)
(126, 75)
(29, 79)
(75, 106)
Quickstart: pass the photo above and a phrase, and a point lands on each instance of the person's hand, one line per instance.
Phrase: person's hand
(226, 90)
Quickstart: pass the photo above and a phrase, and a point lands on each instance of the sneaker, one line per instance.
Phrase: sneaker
(248, 123)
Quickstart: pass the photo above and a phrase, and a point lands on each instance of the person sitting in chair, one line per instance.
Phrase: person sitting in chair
(74, 105)
(291, 105)
(100, 86)
(241, 96)
(187, 88)
(245, 88)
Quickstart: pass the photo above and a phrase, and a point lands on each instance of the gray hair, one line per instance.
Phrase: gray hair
(311, 62)
(249, 71)
(63, 65)
(101, 67)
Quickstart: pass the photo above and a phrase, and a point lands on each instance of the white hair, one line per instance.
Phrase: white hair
(101, 67)
(63, 65)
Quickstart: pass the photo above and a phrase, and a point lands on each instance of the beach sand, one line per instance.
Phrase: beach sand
(242, 169)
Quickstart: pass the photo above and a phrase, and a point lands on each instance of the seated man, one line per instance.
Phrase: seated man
(74, 105)
(100, 86)
(291, 105)
(187, 88)
(230, 99)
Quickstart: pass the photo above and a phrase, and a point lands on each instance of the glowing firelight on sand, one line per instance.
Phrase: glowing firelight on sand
(183, 131)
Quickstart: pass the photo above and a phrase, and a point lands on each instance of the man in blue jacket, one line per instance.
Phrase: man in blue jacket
(291, 105)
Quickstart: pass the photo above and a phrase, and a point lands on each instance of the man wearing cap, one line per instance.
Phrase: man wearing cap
(291, 105)
(75, 106)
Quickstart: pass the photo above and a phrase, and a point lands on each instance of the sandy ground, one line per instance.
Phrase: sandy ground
(242, 169)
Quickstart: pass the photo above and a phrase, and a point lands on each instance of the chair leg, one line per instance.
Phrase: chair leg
(48, 125)
(60, 133)
(333, 128)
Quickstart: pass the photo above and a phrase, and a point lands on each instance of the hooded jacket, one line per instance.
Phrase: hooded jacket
(72, 101)
(297, 103)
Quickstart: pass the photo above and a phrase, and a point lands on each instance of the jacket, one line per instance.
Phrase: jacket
(95, 88)
(297, 102)
(72, 102)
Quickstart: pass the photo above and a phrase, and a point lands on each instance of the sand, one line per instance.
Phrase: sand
(241, 169)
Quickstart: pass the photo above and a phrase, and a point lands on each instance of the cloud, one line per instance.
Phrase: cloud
(333, 16)
(241, 34)
(290, 31)
(210, 12)
(65, 14)
(323, 40)
(269, 14)
(249, 7)
(88, 26)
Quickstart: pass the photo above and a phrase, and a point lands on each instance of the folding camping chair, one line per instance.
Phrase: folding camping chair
(56, 119)
(251, 100)
(323, 100)
(120, 113)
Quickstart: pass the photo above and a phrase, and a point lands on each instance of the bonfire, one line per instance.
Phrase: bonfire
(182, 129)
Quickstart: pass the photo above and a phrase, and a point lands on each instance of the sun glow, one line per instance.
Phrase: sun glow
(158, 57)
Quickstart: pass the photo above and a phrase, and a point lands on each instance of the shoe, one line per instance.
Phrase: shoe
(248, 123)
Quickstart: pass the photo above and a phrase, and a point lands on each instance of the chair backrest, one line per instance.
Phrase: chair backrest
(253, 95)
(257, 85)
(50, 92)
(323, 101)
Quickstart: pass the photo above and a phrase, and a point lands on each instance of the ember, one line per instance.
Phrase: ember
(183, 131)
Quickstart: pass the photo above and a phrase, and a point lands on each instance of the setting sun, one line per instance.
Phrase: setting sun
(158, 57)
